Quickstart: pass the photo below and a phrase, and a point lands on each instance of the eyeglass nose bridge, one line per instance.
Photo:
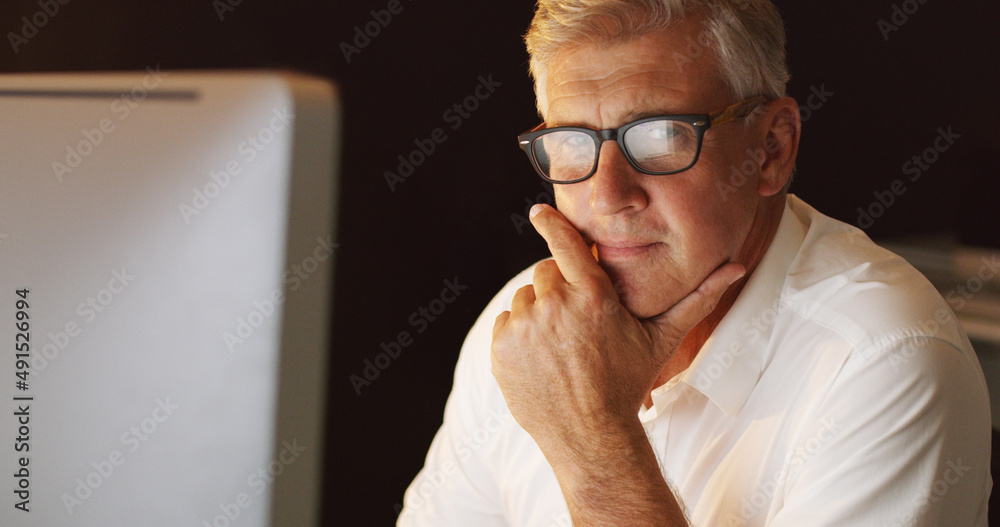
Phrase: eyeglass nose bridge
(612, 134)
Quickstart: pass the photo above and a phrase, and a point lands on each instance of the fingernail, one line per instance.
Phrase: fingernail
(535, 209)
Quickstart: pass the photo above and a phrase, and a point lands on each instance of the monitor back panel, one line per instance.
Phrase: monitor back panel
(166, 243)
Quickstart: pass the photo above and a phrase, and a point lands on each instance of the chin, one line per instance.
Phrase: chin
(640, 297)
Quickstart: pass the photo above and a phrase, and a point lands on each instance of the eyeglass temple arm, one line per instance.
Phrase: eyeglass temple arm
(537, 128)
(736, 111)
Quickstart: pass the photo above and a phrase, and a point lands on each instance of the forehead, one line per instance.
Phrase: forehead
(662, 72)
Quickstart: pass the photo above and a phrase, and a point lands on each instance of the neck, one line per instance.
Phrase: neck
(762, 231)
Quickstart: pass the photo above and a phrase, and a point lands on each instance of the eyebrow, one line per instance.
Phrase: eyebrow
(633, 115)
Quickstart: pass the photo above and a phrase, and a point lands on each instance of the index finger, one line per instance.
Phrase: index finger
(567, 246)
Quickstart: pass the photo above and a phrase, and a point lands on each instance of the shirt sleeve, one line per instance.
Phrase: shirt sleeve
(457, 485)
(902, 439)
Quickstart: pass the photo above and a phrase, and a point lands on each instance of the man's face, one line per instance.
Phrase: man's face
(657, 237)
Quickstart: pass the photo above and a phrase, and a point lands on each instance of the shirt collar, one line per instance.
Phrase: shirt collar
(729, 364)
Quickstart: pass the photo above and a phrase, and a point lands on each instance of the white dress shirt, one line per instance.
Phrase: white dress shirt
(838, 390)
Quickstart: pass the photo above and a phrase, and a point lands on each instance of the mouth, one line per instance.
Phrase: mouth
(624, 249)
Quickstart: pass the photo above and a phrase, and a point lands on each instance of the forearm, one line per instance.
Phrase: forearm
(616, 481)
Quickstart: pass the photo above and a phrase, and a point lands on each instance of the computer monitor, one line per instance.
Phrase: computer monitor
(166, 249)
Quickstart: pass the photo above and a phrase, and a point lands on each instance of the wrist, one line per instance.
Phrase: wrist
(616, 480)
(605, 447)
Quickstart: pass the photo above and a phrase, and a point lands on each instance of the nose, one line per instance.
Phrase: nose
(616, 187)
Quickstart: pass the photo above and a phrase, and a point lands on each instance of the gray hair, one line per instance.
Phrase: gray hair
(747, 36)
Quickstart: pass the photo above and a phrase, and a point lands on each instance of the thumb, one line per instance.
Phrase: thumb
(671, 326)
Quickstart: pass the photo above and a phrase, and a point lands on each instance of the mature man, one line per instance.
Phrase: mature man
(698, 351)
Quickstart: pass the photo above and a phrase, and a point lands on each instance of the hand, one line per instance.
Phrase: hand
(573, 364)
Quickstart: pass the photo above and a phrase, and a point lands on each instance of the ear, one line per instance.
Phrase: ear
(782, 126)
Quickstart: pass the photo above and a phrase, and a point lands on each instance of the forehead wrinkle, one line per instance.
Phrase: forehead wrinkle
(627, 101)
(604, 80)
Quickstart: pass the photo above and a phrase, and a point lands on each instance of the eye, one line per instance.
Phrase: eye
(661, 131)
(576, 140)
(656, 136)
(568, 142)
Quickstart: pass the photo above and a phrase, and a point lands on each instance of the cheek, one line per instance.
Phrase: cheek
(711, 224)
(734, 169)
(572, 203)
(732, 172)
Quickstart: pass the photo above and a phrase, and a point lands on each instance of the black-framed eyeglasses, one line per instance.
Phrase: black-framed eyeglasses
(660, 145)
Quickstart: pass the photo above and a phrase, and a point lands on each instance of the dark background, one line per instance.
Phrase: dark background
(452, 218)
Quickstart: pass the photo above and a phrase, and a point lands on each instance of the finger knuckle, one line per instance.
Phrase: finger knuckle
(560, 244)
(550, 304)
(547, 265)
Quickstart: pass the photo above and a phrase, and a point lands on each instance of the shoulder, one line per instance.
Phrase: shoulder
(871, 351)
(866, 294)
(865, 328)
